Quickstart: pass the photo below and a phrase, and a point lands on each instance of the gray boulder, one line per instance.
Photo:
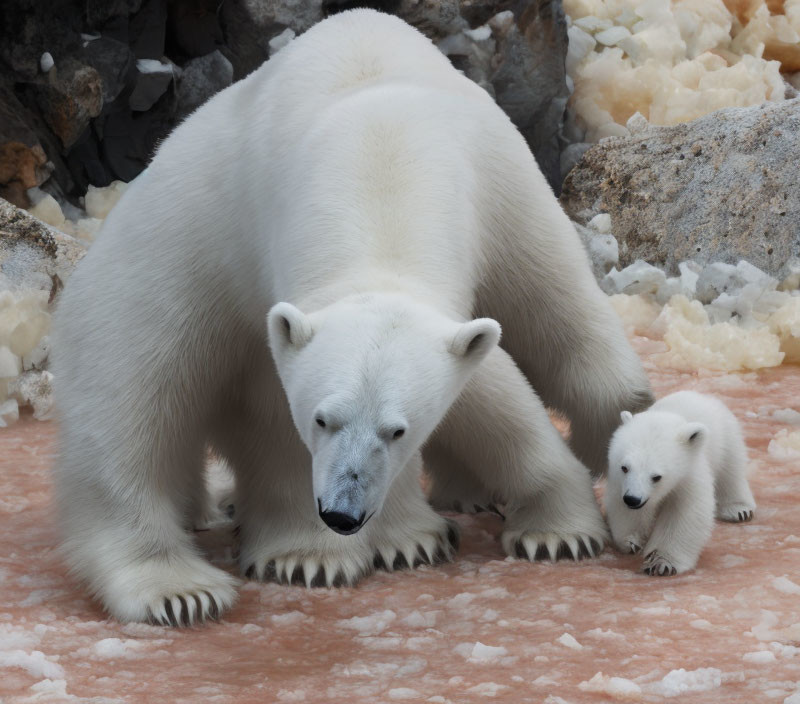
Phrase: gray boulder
(201, 78)
(34, 255)
(722, 188)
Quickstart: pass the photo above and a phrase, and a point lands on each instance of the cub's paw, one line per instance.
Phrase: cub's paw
(309, 569)
(528, 545)
(412, 549)
(633, 544)
(736, 513)
(656, 565)
(171, 593)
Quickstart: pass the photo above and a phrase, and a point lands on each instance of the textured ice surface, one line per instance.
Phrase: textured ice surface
(288, 644)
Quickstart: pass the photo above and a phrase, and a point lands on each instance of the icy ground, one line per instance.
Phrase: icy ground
(483, 628)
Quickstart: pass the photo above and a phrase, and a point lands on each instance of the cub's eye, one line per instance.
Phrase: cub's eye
(398, 433)
(624, 469)
(320, 422)
(656, 478)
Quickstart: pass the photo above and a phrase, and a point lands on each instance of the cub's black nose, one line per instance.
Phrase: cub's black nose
(342, 522)
(633, 501)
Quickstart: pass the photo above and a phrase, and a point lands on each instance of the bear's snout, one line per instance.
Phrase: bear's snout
(342, 523)
(633, 501)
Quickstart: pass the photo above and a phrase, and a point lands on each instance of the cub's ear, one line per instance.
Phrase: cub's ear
(287, 326)
(475, 339)
(693, 434)
(626, 416)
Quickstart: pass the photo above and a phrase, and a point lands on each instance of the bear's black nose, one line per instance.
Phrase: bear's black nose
(342, 522)
(633, 501)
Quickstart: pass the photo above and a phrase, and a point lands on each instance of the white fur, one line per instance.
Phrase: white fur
(694, 444)
(373, 200)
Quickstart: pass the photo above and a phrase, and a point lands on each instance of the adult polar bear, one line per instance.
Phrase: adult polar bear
(361, 178)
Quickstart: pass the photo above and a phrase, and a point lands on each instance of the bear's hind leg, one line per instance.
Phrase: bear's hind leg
(453, 486)
(558, 325)
(500, 424)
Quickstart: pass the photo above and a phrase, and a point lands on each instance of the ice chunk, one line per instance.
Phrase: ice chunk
(277, 43)
(569, 641)
(34, 388)
(10, 364)
(9, 412)
(45, 207)
(615, 687)
(637, 123)
(404, 693)
(678, 682)
(34, 663)
(601, 222)
(480, 653)
(759, 657)
(373, 624)
(99, 201)
(612, 35)
(638, 278)
(581, 44)
(785, 445)
(787, 415)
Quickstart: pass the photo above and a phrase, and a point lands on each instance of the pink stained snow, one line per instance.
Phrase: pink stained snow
(485, 628)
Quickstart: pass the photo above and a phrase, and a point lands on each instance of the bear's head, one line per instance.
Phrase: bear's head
(368, 379)
(650, 453)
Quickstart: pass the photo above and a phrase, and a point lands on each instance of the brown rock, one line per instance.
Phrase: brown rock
(721, 188)
(69, 96)
(23, 162)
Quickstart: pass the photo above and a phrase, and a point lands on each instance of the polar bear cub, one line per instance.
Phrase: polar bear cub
(670, 469)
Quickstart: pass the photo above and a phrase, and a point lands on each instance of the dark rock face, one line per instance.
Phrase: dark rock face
(530, 79)
(91, 86)
(724, 187)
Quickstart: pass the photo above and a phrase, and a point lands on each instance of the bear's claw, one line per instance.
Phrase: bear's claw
(536, 548)
(656, 565)
(185, 610)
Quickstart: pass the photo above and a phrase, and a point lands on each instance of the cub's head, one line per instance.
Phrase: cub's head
(368, 379)
(649, 454)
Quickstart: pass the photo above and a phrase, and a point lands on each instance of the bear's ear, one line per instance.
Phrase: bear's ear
(693, 434)
(288, 325)
(626, 416)
(475, 339)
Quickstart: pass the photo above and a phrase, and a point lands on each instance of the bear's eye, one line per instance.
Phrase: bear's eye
(624, 469)
(398, 433)
(320, 422)
(656, 478)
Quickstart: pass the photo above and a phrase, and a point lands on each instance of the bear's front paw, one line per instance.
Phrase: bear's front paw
(414, 549)
(170, 592)
(656, 565)
(527, 545)
(309, 570)
(736, 513)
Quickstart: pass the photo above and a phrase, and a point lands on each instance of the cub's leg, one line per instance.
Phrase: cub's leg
(558, 325)
(735, 502)
(683, 526)
(500, 429)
